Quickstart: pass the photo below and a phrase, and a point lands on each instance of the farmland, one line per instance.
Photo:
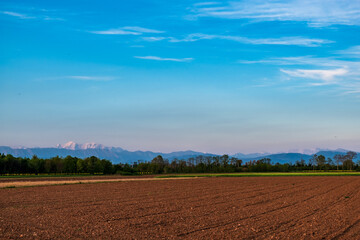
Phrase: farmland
(11, 181)
(222, 208)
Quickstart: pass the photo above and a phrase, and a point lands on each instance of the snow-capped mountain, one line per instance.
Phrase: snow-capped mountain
(119, 155)
(69, 145)
(115, 154)
(75, 146)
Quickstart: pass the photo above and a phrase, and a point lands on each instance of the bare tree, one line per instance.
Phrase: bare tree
(338, 158)
(320, 160)
(348, 159)
(312, 161)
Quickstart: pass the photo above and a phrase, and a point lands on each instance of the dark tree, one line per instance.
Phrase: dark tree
(320, 161)
(338, 159)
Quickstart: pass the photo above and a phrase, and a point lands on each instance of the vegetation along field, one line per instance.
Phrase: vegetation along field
(19, 166)
(284, 207)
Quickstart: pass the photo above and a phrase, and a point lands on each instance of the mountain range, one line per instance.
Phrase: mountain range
(119, 155)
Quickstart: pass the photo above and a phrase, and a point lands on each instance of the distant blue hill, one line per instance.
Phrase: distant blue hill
(285, 157)
(250, 155)
(119, 155)
(116, 155)
(293, 157)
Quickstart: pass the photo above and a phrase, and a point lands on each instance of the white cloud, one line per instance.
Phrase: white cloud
(153, 39)
(165, 59)
(34, 13)
(127, 31)
(15, 14)
(323, 75)
(206, 3)
(311, 62)
(300, 60)
(142, 30)
(353, 52)
(316, 13)
(91, 78)
(344, 74)
(294, 41)
(116, 32)
(192, 38)
(46, 18)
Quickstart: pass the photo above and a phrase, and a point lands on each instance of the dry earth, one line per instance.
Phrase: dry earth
(8, 183)
(202, 208)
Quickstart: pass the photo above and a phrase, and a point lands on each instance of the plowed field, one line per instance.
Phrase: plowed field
(201, 208)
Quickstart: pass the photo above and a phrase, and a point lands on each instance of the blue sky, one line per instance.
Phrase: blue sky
(221, 77)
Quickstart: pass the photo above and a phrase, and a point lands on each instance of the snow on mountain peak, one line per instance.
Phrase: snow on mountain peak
(92, 146)
(75, 146)
(69, 145)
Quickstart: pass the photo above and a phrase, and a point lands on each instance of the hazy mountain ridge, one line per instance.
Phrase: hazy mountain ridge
(119, 155)
(75, 146)
(250, 155)
(293, 157)
(114, 154)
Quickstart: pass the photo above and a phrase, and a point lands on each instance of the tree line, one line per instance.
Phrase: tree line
(199, 164)
(226, 164)
(56, 165)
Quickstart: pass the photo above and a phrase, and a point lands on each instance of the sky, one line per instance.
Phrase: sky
(218, 76)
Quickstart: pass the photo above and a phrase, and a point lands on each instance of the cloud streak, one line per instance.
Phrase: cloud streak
(319, 71)
(324, 75)
(91, 78)
(126, 31)
(154, 39)
(143, 30)
(352, 52)
(115, 32)
(164, 59)
(33, 14)
(300, 60)
(16, 14)
(294, 41)
(206, 3)
(318, 13)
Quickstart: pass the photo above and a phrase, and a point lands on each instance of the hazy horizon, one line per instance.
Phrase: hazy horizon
(163, 76)
(302, 151)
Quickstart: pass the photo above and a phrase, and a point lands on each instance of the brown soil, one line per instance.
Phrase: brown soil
(54, 178)
(79, 180)
(202, 208)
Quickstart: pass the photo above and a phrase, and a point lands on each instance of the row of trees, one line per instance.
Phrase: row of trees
(200, 164)
(219, 164)
(13, 165)
(345, 161)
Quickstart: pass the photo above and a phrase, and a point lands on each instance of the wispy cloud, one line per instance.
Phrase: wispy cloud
(142, 30)
(16, 14)
(206, 3)
(316, 13)
(91, 78)
(346, 76)
(318, 71)
(126, 31)
(154, 39)
(116, 32)
(353, 52)
(300, 60)
(47, 18)
(165, 59)
(326, 76)
(295, 41)
(33, 13)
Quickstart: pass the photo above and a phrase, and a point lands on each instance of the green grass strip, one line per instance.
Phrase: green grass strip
(289, 174)
(48, 176)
